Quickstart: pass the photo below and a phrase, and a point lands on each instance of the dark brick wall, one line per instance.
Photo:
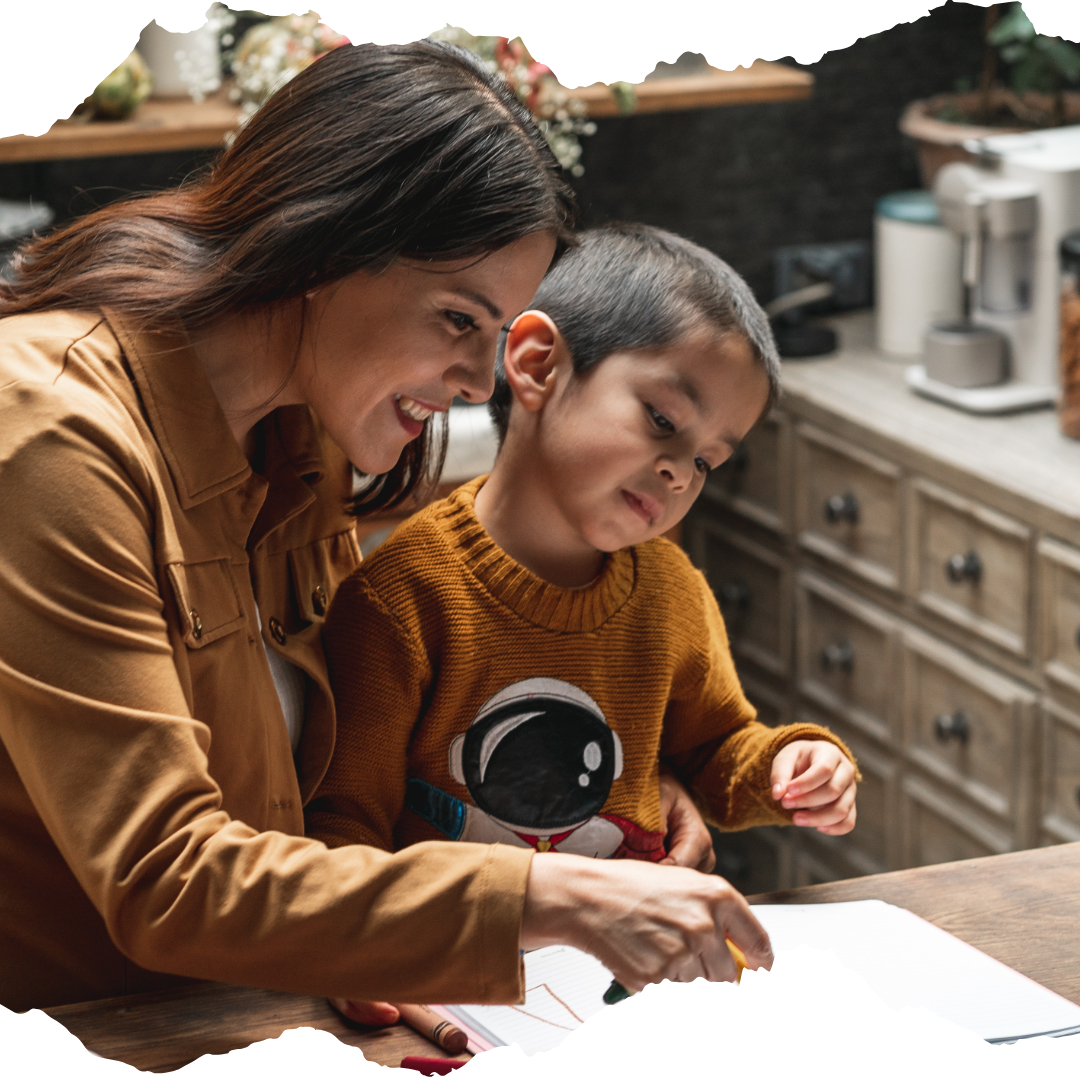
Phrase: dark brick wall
(744, 180)
(76, 185)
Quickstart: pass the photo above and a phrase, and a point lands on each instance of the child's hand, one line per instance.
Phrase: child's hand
(817, 780)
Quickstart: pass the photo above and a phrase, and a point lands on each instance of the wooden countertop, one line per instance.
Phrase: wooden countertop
(1024, 454)
(1022, 908)
(184, 125)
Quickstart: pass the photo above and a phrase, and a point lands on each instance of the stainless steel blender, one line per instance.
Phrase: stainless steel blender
(1011, 209)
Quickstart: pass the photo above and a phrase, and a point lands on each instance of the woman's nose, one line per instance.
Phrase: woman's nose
(473, 379)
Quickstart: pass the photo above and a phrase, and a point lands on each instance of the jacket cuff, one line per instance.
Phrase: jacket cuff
(503, 882)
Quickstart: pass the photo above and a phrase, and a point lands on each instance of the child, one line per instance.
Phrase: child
(514, 664)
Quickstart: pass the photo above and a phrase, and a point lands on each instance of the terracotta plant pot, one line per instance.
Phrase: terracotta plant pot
(941, 141)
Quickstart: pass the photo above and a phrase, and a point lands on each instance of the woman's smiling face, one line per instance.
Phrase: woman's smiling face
(382, 351)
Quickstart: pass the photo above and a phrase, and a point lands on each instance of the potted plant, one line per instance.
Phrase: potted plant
(1038, 70)
(560, 116)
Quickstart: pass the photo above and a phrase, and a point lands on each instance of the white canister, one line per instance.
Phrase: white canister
(182, 64)
(917, 271)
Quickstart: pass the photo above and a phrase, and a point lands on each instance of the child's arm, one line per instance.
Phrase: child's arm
(714, 742)
(378, 672)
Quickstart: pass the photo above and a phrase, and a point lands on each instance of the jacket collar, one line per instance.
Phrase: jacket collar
(189, 423)
(183, 411)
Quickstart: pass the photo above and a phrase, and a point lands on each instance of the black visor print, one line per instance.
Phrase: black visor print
(540, 763)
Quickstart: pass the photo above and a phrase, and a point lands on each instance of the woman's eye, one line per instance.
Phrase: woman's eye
(660, 420)
(702, 465)
(461, 321)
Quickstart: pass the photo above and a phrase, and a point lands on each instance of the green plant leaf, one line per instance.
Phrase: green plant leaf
(1064, 58)
(1032, 73)
(1014, 25)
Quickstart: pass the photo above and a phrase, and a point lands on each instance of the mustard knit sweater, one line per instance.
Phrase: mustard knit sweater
(478, 702)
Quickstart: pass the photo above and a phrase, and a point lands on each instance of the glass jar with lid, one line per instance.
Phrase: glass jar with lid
(1069, 404)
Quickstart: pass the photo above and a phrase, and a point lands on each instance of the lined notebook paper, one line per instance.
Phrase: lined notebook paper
(906, 960)
(563, 988)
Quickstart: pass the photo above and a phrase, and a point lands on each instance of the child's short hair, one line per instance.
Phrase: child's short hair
(629, 286)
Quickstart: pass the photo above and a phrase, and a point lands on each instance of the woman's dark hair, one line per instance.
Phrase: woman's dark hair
(629, 286)
(371, 153)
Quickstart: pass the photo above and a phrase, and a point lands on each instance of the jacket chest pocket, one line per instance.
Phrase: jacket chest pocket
(318, 569)
(208, 603)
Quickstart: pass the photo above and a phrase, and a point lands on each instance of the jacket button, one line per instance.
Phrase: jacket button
(196, 624)
(277, 631)
(318, 600)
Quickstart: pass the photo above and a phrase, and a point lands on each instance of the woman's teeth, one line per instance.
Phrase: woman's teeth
(413, 410)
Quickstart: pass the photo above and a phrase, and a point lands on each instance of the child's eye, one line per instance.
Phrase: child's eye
(702, 465)
(460, 320)
(660, 420)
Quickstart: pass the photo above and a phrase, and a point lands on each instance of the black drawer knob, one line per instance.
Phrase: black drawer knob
(735, 596)
(839, 656)
(842, 508)
(961, 568)
(949, 726)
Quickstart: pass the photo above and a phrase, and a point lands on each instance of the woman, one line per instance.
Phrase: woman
(186, 381)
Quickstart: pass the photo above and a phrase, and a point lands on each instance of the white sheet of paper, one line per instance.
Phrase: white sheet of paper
(910, 962)
(906, 960)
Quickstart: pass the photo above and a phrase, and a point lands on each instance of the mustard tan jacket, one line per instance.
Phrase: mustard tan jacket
(150, 805)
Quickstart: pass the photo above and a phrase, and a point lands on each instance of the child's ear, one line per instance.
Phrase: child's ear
(534, 347)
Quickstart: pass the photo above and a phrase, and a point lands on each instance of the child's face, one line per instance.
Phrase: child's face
(627, 447)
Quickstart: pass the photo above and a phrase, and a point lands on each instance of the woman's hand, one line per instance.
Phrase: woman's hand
(817, 780)
(642, 921)
(687, 840)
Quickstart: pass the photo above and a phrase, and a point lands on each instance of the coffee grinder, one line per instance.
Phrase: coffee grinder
(1010, 210)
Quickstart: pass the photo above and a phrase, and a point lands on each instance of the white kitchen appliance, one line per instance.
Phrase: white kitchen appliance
(1012, 258)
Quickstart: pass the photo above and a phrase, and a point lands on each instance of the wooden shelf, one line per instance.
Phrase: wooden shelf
(185, 125)
(180, 124)
(761, 82)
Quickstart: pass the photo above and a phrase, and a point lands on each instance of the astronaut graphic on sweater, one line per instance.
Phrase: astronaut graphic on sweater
(538, 760)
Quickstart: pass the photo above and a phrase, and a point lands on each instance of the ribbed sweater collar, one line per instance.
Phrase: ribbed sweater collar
(541, 603)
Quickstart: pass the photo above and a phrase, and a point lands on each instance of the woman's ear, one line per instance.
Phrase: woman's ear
(533, 350)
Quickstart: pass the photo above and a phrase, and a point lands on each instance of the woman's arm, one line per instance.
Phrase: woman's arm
(115, 839)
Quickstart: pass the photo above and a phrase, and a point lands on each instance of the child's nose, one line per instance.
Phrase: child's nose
(676, 474)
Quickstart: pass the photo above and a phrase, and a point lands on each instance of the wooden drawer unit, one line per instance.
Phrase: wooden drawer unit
(936, 829)
(848, 506)
(873, 845)
(753, 587)
(930, 564)
(1061, 773)
(846, 655)
(1059, 579)
(769, 696)
(970, 727)
(753, 482)
(972, 566)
